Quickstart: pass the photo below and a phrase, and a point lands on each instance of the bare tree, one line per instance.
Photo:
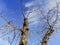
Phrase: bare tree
(25, 29)
(51, 26)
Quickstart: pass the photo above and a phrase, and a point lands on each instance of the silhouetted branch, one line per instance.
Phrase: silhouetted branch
(50, 30)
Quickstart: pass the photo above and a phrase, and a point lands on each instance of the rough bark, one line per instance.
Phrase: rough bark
(24, 34)
(47, 35)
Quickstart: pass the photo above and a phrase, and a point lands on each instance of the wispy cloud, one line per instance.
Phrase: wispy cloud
(29, 4)
(52, 3)
(4, 42)
(36, 3)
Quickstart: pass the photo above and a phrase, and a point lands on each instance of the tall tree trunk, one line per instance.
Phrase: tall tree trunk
(24, 34)
(47, 35)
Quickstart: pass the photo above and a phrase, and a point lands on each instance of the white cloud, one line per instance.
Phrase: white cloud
(57, 0)
(29, 4)
(34, 23)
(34, 17)
(52, 3)
(4, 42)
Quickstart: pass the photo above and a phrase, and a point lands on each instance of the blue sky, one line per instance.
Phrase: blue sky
(11, 10)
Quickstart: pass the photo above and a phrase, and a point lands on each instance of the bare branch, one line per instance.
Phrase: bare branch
(35, 10)
(50, 30)
(21, 8)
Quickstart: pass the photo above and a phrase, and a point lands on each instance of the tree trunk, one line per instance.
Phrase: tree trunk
(24, 34)
(47, 35)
